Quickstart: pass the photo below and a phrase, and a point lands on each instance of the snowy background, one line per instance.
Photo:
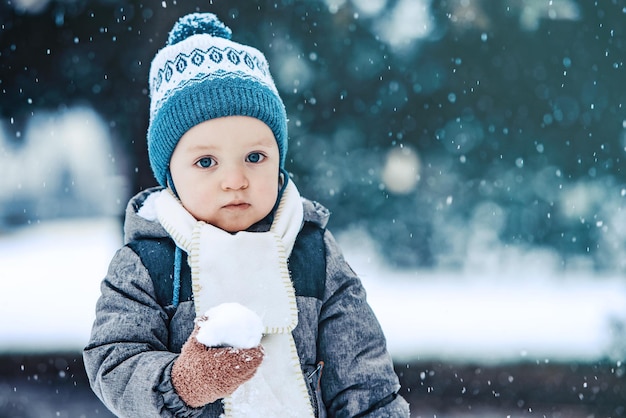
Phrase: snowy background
(471, 153)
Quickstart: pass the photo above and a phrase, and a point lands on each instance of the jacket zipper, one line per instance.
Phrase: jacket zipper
(317, 387)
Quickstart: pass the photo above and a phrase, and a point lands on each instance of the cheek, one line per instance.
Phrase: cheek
(194, 195)
(180, 178)
(200, 206)
(270, 191)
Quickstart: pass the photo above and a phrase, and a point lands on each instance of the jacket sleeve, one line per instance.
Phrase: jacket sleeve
(358, 379)
(127, 359)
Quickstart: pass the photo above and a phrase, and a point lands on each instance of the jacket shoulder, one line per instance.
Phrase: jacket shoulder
(140, 217)
(315, 212)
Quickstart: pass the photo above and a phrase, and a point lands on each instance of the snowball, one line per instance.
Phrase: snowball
(230, 324)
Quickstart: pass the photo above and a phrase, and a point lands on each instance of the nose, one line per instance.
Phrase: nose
(234, 178)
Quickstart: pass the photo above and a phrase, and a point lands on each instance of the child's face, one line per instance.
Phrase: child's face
(226, 171)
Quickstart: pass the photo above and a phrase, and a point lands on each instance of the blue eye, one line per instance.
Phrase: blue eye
(205, 162)
(255, 157)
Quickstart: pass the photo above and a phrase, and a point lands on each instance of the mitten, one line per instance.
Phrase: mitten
(202, 374)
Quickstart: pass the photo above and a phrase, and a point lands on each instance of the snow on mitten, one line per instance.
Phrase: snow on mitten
(202, 374)
(230, 324)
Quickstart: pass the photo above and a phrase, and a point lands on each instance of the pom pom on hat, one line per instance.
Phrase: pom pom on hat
(201, 74)
(197, 23)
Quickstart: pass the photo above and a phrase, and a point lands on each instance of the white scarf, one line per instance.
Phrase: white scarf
(249, 268)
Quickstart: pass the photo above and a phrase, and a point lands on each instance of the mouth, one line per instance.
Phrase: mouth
(236, 205)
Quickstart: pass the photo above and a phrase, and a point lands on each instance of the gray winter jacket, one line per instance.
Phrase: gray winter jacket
(135, 339)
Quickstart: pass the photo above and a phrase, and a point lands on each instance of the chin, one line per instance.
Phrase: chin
(234, 228)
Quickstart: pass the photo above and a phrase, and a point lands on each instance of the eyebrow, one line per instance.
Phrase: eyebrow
(201, 148)
(261, 142)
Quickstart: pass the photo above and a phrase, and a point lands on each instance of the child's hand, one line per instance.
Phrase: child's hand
(202, 374)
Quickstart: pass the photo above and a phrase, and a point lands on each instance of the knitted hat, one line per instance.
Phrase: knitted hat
(200, 75)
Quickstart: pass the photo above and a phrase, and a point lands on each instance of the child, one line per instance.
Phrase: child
(230, 298)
